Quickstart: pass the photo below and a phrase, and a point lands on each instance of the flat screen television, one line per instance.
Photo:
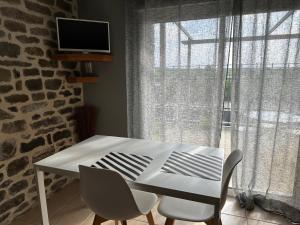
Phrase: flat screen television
(83, 35)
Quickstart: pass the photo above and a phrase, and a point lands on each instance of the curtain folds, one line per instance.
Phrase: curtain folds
(190, 64)
(175, 67)
(265, 100)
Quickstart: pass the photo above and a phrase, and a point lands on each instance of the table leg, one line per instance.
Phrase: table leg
(39, 175)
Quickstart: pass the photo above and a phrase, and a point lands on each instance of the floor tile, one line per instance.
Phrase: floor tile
(57, 202)
(66, 208)
(265, 223)
(75, 213)
(89, 220)
(232, 207)
(188, 223)
(261, 215)
(236, 220)
(135, 222)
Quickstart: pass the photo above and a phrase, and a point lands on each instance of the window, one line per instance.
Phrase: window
(186, 64)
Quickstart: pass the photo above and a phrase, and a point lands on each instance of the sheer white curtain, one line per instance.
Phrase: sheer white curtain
(184, 56)
(266, 98)
(175, 69)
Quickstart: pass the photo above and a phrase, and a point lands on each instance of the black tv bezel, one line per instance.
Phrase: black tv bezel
(82, 50)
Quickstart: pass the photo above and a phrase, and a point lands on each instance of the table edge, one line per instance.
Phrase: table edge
(143, 187)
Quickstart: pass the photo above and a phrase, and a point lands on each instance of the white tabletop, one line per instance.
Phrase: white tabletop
(152, 179)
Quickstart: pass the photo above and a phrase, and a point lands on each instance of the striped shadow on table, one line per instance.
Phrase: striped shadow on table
(195, 165)
(130, 166)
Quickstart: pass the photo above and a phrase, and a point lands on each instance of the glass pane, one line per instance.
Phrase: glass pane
(202, 29)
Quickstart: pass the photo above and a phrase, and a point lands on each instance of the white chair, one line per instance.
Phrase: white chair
(180, 209)
(108, 195)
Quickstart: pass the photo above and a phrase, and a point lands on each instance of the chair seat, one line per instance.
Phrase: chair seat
(180, 209)
(144, 200)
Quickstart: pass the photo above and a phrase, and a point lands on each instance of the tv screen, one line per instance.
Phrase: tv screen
(83, 35)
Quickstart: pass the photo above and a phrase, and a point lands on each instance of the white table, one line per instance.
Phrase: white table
(152, 179)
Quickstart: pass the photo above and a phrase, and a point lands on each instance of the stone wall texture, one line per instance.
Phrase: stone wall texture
(36, 101)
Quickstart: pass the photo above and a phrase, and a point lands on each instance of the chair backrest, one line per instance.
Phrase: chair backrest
(233, 159)
(107, 194)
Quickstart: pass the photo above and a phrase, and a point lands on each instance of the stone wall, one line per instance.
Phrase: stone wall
(36, 102)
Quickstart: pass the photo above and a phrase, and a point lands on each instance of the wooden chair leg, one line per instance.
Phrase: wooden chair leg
(98, 220)
(169, 221)
(213, 222)
(210, 222)
(150, 218)
(124, 222)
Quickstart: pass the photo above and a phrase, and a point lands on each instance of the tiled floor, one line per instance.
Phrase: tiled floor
(66, 208)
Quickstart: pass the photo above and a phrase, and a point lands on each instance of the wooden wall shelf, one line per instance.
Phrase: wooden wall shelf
(82, 79)
(83, 57)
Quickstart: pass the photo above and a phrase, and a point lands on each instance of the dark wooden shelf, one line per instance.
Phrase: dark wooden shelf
(80, 57)
(83, 57)
(82, 79)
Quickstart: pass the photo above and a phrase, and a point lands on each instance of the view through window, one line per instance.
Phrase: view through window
(187, 58)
